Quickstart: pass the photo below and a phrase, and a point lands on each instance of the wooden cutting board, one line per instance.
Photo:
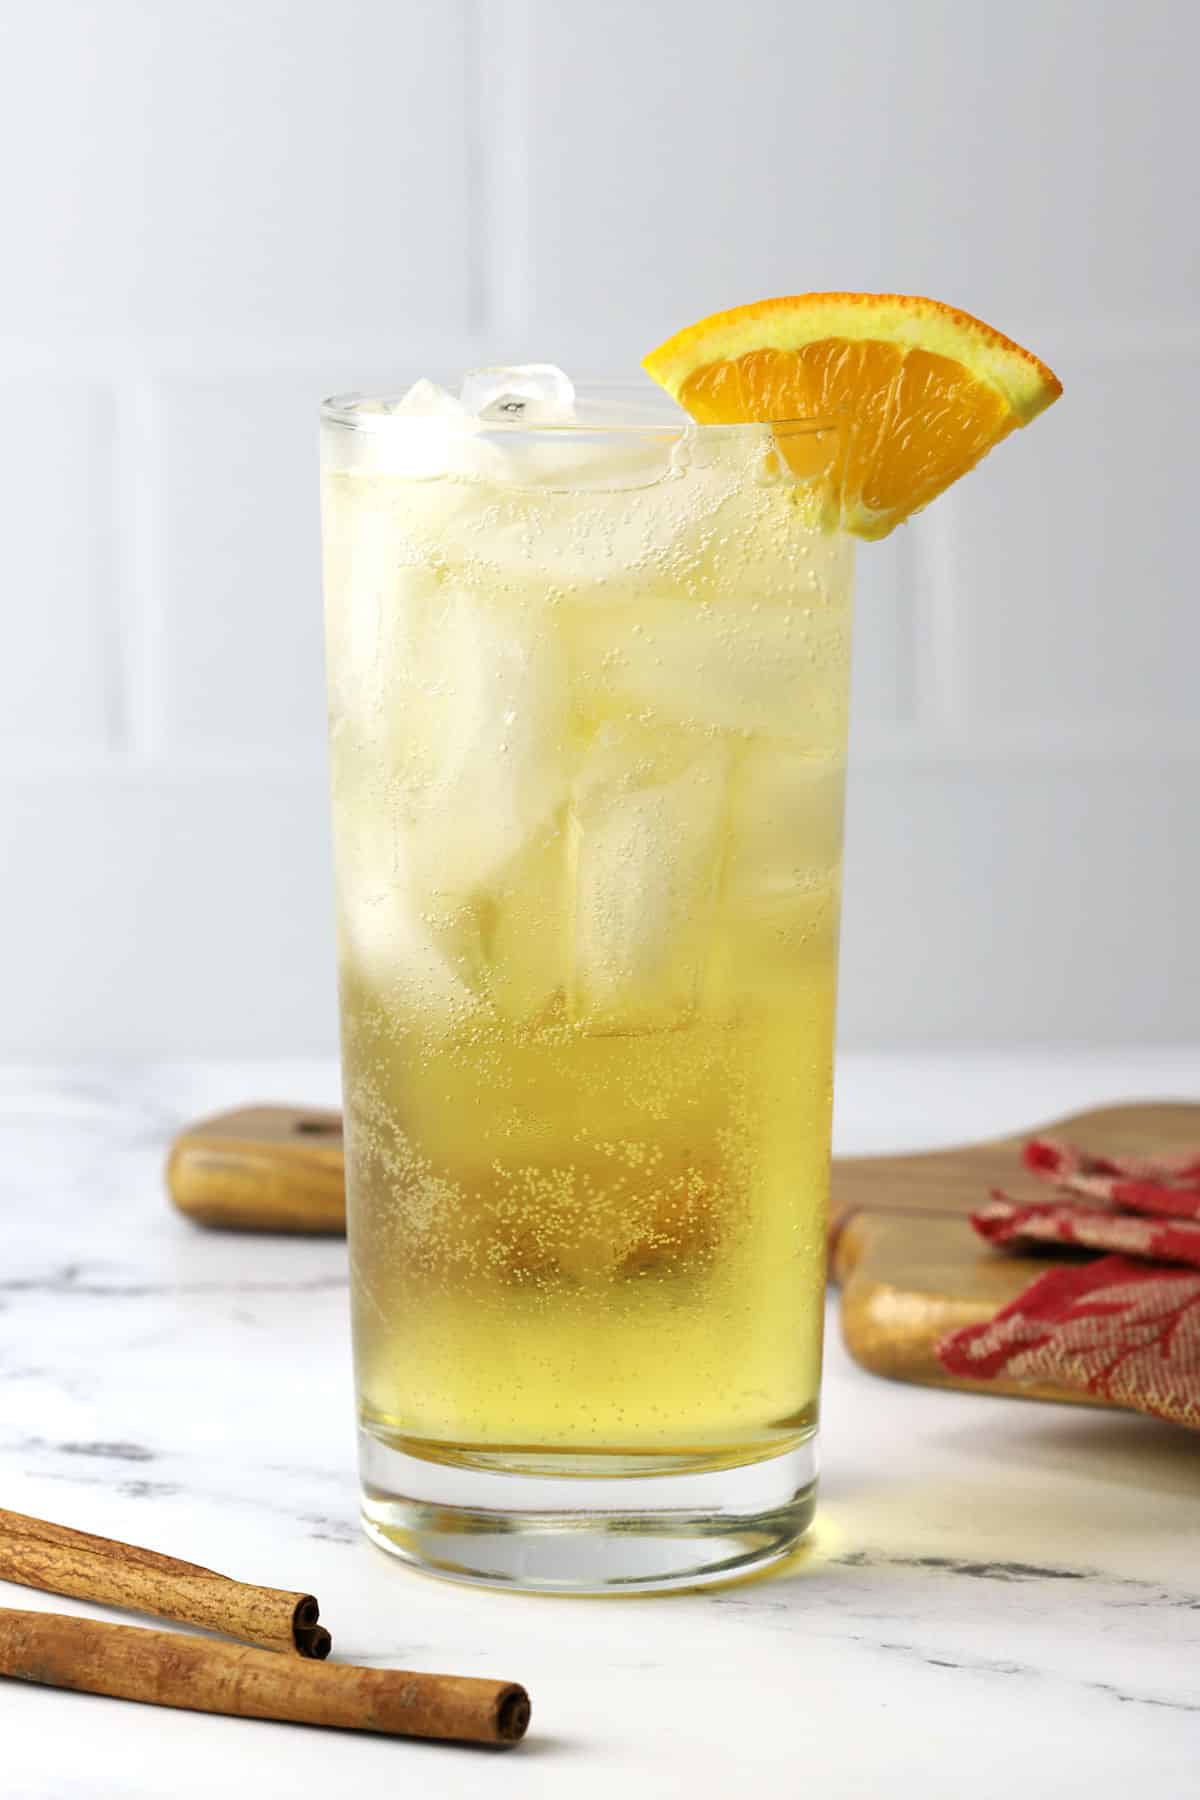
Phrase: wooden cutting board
(908, 1263)
(910, 1266)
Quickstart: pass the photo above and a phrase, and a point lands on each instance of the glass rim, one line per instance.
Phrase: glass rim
(368, 411)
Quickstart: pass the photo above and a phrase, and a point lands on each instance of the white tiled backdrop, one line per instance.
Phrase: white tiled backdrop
(213, 214)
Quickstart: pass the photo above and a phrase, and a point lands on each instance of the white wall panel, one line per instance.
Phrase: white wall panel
(60, 676)
(213, 214)
(271, 166)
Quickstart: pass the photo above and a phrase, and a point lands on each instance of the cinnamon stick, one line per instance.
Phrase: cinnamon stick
(60, 1560)
(167, 1668)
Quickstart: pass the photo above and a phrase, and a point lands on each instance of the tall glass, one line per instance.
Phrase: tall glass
(588, 692)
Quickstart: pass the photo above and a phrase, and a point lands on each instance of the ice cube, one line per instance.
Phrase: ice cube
(643, 509)
(385, 598)
(425, 434)
(492, 737)
(785, 825)
(410, 950)
(455, 728)
(618, 445)
(643, 856)
(426, 400)
(524, 931)
(448, 690)
(409, 962)
(779, 893)
(776, 666)
(526, 394)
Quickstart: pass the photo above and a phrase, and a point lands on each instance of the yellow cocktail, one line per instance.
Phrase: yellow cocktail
(588, 666)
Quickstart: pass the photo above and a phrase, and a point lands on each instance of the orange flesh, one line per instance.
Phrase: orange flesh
(920, 420)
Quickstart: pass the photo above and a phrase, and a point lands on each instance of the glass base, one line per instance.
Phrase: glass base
(586, 1534)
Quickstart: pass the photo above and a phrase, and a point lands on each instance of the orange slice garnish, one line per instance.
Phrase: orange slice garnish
(925, 390)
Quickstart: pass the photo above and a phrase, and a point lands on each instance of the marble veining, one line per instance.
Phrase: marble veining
(997, 1596)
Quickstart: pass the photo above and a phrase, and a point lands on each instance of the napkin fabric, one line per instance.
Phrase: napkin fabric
(1123, 1327)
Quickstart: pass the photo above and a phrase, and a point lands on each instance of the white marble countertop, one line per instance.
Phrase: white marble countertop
(998, 1598)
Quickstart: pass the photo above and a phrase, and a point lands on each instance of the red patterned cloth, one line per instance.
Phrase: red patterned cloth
(1161, 1185)
(1124, 1327)
(1067, 1222)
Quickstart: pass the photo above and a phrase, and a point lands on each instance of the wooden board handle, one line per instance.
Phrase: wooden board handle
(264, 1168)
